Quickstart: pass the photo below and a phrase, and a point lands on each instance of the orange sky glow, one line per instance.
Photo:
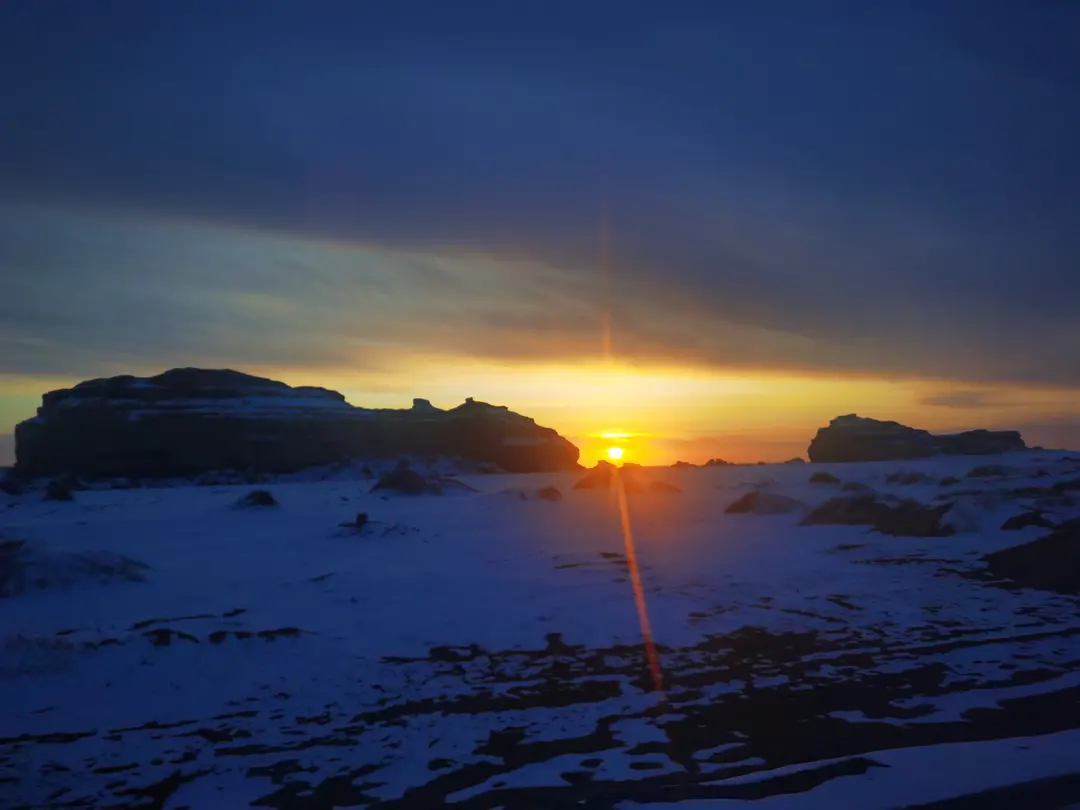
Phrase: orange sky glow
(656, 415)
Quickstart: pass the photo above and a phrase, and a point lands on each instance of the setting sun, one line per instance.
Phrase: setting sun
(615, 453)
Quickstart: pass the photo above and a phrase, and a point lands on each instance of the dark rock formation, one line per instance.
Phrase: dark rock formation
(907, 478)
(1050, 563)
(857, 486)
(1024, 520)
(855, 438)
(606, 475)
(764, 503)
(824, 478)
(11, 485)
(899, 519)
(599, 477)
(188, 421)
(257, 498)
(407, 482)
(989, 471)
(59, 490)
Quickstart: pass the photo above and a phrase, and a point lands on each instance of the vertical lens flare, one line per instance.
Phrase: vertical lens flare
(639, 591)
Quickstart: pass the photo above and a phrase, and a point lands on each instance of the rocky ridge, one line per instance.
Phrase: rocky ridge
(857, 438)
(188, 421)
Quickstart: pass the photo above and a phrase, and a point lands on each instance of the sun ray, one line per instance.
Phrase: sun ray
(639, 589)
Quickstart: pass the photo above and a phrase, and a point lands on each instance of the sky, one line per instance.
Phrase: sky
(712, 225)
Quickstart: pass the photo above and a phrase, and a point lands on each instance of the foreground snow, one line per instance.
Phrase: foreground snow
(484, 651)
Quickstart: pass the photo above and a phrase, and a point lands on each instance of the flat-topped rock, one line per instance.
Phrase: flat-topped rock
(188, 421)
(857, 438)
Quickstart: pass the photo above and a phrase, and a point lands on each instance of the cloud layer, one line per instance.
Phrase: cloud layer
(844, 188)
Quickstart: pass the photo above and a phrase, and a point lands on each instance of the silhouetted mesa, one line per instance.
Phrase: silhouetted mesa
(188, 421)
(856, 438)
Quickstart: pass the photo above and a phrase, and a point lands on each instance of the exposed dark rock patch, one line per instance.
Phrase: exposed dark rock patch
(760, 502)
(900, 519)
(11, 485)
(908, 478)
(1025, 520)
(59, 490)
(601, 476)
(407, 482)
(1051, 563)
(257, 498)
(857, 486)
(824, 478)
(988, 471)
(549, 494)
(605, 475)
(164, 636)
(854, 438)
(949, 481)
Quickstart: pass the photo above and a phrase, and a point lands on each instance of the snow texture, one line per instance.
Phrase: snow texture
(484, 651)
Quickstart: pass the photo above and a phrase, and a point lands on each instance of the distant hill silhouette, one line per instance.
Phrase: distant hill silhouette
(188, 420)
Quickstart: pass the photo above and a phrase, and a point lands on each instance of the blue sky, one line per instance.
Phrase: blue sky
(817, 187)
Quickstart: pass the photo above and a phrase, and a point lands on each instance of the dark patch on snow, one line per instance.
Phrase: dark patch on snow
(59, 490)
(908, 478)
(1050, 563)
(988, 471)
(1026, 520)
(901, 519)
(257, 498)
(163, 636)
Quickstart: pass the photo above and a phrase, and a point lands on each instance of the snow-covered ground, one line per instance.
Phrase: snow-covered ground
(481, 650)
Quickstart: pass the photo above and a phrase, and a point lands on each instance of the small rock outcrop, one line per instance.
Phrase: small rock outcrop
(765, 503)
(599, 477)
(605, 475)
(908, 478)
(898, 518)
(1050, 563)
(407, 482)
(189, 421)
(1024, 520)
(257, 499)
(59, 490)
(856, 438)
(824, 478)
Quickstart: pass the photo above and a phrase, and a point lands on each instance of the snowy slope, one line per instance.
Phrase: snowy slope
(483, 651)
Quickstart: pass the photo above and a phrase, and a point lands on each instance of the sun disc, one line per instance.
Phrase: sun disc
(615, 453)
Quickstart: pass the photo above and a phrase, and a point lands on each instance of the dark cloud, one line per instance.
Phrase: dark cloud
(848, 186)
(965, 400)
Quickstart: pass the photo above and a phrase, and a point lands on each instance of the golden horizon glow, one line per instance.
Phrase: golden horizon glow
(656, 415)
